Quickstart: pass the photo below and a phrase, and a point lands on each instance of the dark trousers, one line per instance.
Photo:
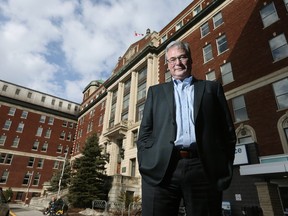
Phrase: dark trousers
(185, 180)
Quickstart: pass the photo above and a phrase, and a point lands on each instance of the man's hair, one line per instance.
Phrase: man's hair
(181, 45)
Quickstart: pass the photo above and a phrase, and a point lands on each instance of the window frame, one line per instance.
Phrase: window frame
(283, 46)
(272, 14)
(207, 51)
(241, 106)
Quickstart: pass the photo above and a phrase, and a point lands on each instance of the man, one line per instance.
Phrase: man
(186, 142)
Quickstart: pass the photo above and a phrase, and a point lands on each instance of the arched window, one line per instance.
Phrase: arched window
(245, 134)
(283, 131)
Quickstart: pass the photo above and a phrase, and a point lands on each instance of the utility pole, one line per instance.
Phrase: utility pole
(62, 172)
(28, 187)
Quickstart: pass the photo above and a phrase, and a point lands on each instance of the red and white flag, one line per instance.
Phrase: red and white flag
(138, 34)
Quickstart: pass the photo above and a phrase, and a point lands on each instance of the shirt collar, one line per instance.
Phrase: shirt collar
(186, 81)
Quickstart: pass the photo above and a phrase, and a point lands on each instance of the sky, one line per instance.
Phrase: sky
(59, 46)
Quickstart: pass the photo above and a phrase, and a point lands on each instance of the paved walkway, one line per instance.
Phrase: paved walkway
(21, 210)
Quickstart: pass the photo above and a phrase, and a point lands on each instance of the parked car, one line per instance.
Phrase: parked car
(4, 207)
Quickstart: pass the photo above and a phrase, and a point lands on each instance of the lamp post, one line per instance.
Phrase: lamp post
(28, 187)
(62, 172)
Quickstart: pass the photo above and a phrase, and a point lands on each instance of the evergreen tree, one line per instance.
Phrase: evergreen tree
(8, 193)
(54, 182)
(89, 182)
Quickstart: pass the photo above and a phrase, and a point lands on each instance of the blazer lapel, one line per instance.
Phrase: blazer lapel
(169, 96)
(198, 92)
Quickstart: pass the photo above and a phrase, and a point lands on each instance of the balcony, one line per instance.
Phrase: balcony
(117, 131)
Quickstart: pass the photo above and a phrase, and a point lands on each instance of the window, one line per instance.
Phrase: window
(279, 47)
(245, 140)
(35, 145)
(43, 99)
(31, 162)
(204, 29)
(60, 103)
(167, 76)
(29, 95)
(221, 44)
(51, 121)
(15, 142)
(285, 128)
(239, 108)
(36, 179)
(12, 111)
(126, 101)
(24, 114)
(89, 128)
(139, 113)
(217, 20)
(69, 137)
(5, 158)
(207, 53)
(2, 140)
(141, 91)
(102, 105)
(132, 167)
(64, 124)
(26, 178)
(7, 125)
(196, 10)
(17, 92)
(269, 14)
(39, 131)
(56, 164)
(4, 88)
(44, 147)
(142, 74)
(179, 25)
(124, 116)
(42, 119)
(71, 124)
(69, 106)
(20, 127)
(48, 133)
(164, 38)
(286, 4)
(211, 75)
(62, 135)
(53, 102)
(59, 148)
(4, 177)
(100, 120)
(281, 93)
(134, 137)
(19, 196)
(40, 163)
(227, 73)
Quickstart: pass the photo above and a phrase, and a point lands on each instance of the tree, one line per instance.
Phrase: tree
(54, 182)
(89, 181)
(8, 193)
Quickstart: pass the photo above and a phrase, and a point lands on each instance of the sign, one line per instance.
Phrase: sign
(238, 197)
(240, 155)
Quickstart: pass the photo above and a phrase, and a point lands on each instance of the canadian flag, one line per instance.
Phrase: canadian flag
(138, 34)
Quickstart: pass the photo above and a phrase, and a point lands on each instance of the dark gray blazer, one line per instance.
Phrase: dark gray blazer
(215, 133)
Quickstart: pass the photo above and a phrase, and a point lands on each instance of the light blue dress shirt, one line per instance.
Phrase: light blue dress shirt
(184, 99)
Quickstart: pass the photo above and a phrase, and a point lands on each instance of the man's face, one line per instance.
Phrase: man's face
(179, 63)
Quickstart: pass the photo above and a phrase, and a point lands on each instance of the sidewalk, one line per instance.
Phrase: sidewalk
(21, 210)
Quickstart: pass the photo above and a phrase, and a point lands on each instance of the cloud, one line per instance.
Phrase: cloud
(59, 46)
